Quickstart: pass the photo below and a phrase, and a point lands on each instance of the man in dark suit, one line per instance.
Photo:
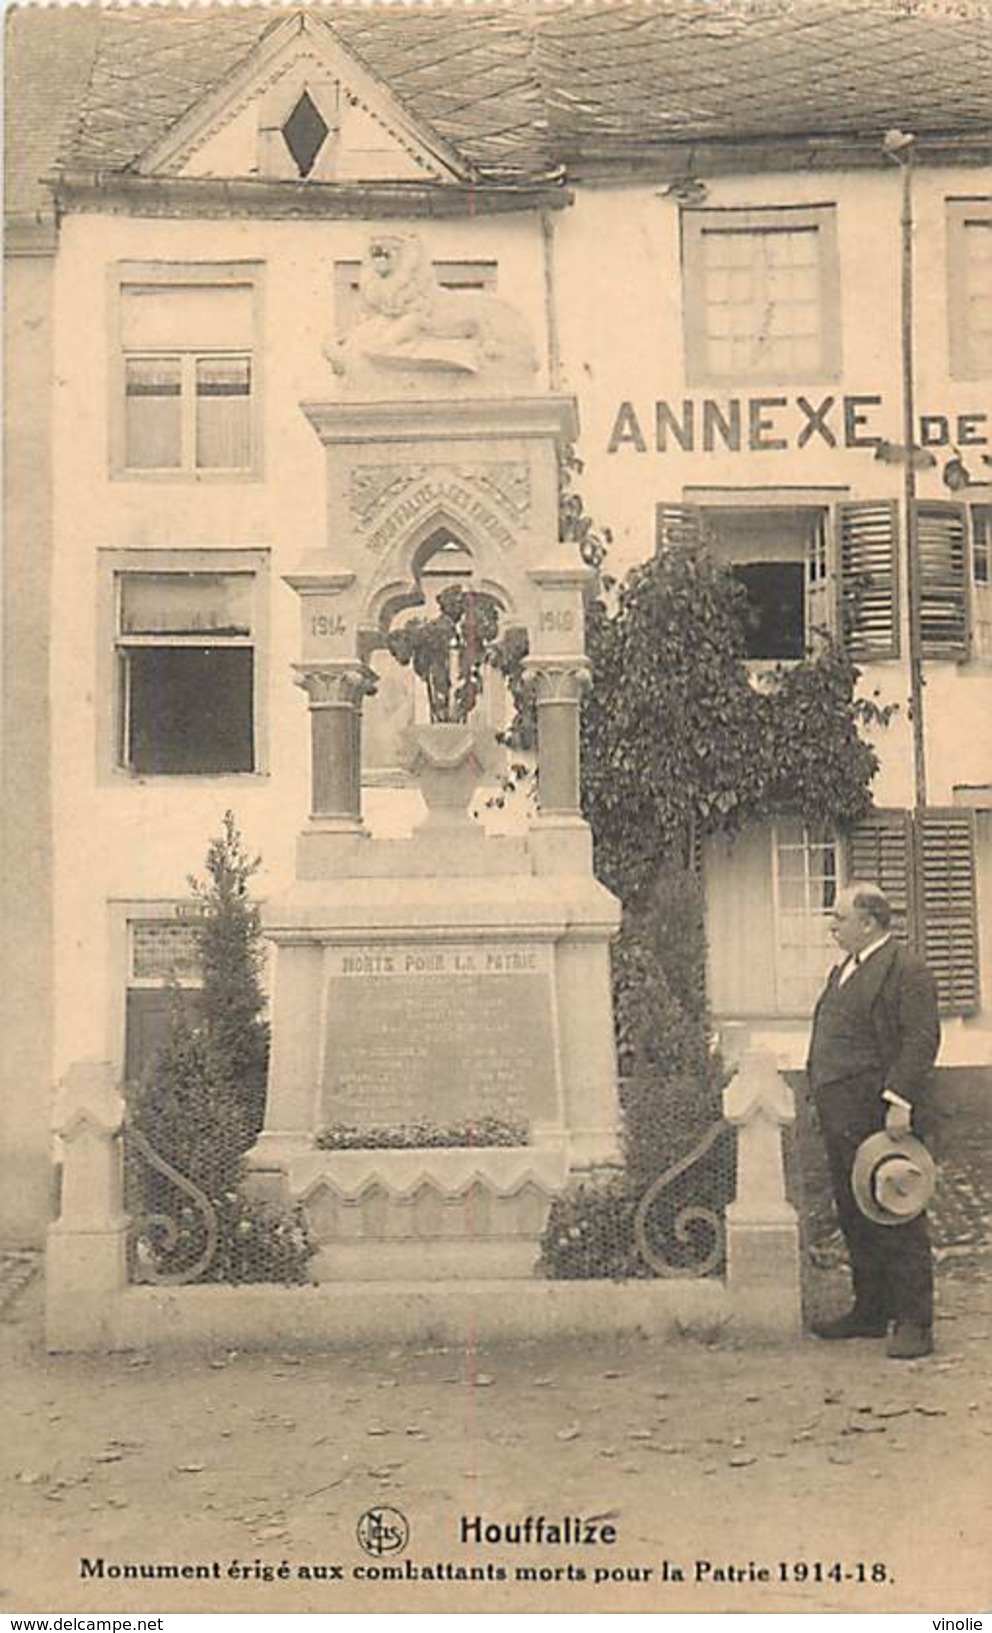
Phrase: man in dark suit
(875, 1038)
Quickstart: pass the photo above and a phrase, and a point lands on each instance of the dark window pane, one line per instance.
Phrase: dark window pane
(775, 608)
(148, 1019)
(191, 710)
(304, 133)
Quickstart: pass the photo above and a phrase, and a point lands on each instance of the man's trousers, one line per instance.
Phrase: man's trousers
(891, 1265)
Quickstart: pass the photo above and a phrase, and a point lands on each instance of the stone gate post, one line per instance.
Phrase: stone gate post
(762, 1227)
(86, 1264)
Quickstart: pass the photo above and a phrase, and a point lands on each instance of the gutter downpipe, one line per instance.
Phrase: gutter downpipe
(916, 681)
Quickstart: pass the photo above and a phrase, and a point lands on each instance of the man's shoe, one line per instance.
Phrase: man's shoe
(909, 1341)
(853, 1325)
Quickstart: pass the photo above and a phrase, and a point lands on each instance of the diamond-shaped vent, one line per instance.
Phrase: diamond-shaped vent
(305, 133)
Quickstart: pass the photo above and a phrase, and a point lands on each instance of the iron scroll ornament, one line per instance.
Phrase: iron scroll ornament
(165, 1226)
(686, 1219)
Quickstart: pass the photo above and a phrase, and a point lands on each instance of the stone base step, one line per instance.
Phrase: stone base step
(347, 1314)
(458, 1260)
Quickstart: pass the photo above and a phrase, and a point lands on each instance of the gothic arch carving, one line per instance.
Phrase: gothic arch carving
(397, 583)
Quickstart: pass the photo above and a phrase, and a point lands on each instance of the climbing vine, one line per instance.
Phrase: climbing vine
(678, 742)
(677, 739)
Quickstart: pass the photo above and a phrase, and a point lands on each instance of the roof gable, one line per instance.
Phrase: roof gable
(301, 105)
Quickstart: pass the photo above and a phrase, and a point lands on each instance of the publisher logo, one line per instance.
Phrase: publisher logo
(383, 1531)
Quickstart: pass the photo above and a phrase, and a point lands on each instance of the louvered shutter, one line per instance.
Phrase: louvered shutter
(880, 850)
(677, 525)
(925, 863)
(947, 917)
(869, 536)
(942, 553)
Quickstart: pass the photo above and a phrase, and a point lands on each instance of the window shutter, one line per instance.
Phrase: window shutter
(942, 552)
(948, 930)
(925, 863)
(869, 534)
(881, 850)
(677, 525)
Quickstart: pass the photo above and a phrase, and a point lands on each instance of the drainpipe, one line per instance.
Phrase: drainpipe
(551, 301)
(899, 146)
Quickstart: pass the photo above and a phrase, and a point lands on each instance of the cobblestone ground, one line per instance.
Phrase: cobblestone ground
(856, 1483)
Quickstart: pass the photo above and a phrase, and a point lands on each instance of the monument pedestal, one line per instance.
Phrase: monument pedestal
(438, 993)
(420, 997)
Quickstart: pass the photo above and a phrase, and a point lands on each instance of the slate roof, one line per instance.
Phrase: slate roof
(524, 87)
(47, 58)
(622, 78)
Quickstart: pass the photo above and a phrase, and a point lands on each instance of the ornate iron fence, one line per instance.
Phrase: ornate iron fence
(158, 1238)
(688, 1238)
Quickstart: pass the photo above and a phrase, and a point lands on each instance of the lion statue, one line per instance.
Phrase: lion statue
(408, 323)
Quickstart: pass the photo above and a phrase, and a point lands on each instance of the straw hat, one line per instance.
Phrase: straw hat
(892, 1179)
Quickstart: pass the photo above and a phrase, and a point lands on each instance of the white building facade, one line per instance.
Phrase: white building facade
(727, 314)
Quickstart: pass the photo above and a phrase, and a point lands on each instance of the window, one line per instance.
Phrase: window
(969, 265)
(805, 888)
(806, 568)
(187, 630)
(925, 863)
(772, 553)
(305, 132)
(471, 275)
(163, 970)
(761, 295)
(188, 354)
(299, 124)
(781, 557)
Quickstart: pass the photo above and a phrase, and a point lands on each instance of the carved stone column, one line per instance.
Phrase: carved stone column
(335, 689)
(559, 685)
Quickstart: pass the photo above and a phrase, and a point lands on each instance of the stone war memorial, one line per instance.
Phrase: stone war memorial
(442, 1034)
(443, 1061)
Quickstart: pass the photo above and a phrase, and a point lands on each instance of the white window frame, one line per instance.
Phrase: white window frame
(696, 223)
(171, 275)
(963, 362)
(821, 577)
(980, 578)
(122, 913)
(113, 566)
(818, 952)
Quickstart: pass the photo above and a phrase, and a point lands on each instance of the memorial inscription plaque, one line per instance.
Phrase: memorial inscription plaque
(440, 1033)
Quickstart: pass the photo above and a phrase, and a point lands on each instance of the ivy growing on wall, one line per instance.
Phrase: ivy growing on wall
(678, 742)
(677, 739)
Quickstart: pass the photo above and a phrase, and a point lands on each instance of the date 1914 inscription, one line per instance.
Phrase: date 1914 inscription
(439, 1034)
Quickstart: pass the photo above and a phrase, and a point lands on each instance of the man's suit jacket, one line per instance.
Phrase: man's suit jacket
(900, 997)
